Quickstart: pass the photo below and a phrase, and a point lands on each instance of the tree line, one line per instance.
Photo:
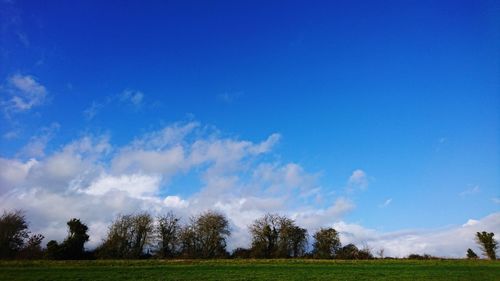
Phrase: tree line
(204, 236)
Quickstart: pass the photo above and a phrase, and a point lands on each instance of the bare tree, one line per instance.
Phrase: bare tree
(381, 253)
(127, 237)
(168, 232)
(277, 236)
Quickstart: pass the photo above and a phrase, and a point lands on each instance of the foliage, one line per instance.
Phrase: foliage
(15, 238)
(13, 233)
(73, 245)
(326, 243)
(471, 254)
(351, 252)
(421, 257)
(275, 236)
(241, 253)
(487, 243)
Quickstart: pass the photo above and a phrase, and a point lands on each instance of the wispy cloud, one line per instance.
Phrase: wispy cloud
(229, 97)
(25, 93)
(92, 111)
(132, 97)
(37, 144)
(470, 191)
(386, 203)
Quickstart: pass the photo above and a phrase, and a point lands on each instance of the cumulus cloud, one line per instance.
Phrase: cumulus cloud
(94, 180)
(175, 202)
(25, 93)
(358, 180)
(448, 242)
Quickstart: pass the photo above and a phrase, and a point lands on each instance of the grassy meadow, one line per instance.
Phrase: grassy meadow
(251, 270)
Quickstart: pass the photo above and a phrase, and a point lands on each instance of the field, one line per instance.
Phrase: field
(251, 270)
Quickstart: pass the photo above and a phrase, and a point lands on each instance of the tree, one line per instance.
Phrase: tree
(348, 252)
(471, 254)
(168, 232)
(487, 243)
(13, 233)
(212, 229)
(205, 236)
(32, 248)
(73, 245)
(188, 241)
(142, 230)
(241, 253)
(53, 251)
(326, 243)
(127, 237)
(15, 238)
(292, 239)
(277, 236)
(264, 233)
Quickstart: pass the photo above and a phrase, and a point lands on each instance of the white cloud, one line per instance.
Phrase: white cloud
(135, 185)
(37, 144)
(229, 97)
(386, 203)
(358, 180)
(25, 93)
(93, 180)
(92, 111)
(470, 191)
(132, 96)
(448, 242)
(175, 202)
(13, 172)
(495, 200)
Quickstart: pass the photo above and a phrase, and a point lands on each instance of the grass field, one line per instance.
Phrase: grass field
(251, 270)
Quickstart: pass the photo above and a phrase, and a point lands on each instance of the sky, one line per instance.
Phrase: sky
(380, 119)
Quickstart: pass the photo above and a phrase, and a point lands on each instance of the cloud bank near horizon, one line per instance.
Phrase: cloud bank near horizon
(188, 168)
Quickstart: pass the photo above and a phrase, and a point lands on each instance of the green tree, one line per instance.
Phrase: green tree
(265, 232)
(53, 251)
(471, 254)
(326, 243)
(348, 252)
(487, 243)
(73, 245)
(13, 233)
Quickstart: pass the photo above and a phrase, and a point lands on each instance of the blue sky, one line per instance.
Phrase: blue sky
(373, 117)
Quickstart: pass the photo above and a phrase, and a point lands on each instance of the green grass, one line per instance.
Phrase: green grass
(251, 270)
